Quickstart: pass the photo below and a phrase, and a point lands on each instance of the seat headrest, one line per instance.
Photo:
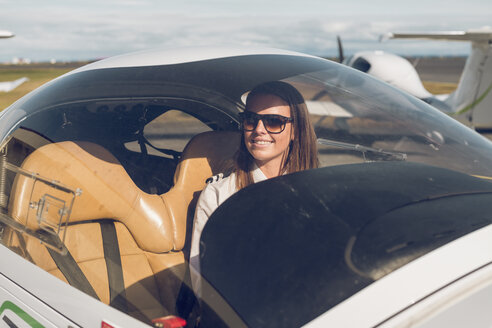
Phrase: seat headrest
(206, 154)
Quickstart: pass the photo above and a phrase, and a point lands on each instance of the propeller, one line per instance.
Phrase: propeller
(340, 49)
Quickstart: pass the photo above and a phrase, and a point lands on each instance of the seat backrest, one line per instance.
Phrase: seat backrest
(158, 223)
(205, 155)
(107, 192)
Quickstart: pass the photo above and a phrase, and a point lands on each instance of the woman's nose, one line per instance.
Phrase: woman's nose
(260, 128)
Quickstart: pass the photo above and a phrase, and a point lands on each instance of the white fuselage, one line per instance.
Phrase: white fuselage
(471, 103)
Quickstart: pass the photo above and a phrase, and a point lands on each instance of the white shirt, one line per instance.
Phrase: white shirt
(214, 194)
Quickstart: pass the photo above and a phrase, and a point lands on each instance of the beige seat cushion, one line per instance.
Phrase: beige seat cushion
(152, 281)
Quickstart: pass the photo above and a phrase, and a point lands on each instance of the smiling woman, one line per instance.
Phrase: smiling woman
(277, 139)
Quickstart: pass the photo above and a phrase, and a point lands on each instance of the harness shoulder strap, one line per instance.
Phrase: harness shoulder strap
(113, 265)
(72, 272)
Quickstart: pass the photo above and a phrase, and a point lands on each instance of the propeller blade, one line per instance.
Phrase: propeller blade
(340, 49)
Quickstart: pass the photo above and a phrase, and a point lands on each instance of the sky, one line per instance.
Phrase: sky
(67, 30)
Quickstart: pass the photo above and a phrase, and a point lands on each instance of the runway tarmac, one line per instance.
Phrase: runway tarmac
(439, 69)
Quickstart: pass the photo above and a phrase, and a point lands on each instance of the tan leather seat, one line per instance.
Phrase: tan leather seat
(144, 232)
(151, 229)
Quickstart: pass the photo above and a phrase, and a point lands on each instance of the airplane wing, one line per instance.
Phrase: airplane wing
(479, 35)
(327, 108)
(11, 85)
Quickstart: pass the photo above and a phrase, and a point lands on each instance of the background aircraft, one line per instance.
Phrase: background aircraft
(470, 103)
(10, 85)
(6, 34)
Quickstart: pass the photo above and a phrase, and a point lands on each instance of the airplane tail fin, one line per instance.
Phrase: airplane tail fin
(472, 100)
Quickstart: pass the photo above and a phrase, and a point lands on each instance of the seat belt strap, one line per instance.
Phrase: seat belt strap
(113, 265)
(23, 246)
(72, 272)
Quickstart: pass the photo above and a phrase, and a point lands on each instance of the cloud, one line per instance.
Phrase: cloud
(81, 32)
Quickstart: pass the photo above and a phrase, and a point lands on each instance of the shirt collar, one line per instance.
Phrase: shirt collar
(258, 174)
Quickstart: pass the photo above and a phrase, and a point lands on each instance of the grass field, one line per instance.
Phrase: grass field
(40, 74)
(439, 87)
(37, 74)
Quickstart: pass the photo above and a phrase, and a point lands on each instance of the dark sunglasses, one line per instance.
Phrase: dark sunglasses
(273, 123)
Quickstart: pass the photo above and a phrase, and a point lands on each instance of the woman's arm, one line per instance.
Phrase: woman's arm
(207, 203)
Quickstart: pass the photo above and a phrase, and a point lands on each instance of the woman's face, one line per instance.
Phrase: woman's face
(268, 149)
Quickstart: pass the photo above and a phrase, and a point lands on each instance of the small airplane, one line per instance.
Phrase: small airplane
(100, 169)
(470, 103)
(8, 86)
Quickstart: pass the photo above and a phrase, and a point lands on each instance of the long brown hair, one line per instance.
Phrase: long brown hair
(303, 150)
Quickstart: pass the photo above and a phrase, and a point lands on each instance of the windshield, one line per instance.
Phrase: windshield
(101, 170)
(359, 119)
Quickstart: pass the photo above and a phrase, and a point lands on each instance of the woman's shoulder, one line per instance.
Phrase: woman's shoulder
(220, 180)
(220, 187)
(217, 178)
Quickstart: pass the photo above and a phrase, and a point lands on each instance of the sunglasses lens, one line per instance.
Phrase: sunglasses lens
(274, 124)
(249, 123)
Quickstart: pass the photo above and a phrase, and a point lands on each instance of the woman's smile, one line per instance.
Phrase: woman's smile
(262, 142)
